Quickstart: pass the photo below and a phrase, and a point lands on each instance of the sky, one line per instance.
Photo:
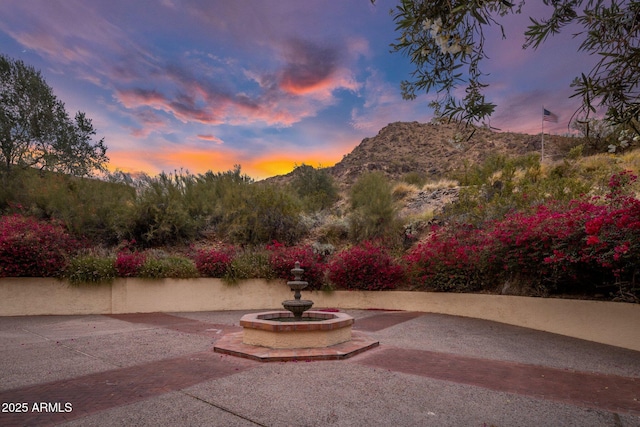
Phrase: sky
(200, 85)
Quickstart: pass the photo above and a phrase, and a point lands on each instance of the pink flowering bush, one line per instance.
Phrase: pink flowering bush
(128, 264)
(283, 259)
(214, 262)
(612, 240)
(457, 259)
(365, 267)
(542, 249)
(33, 248)
(584, 246)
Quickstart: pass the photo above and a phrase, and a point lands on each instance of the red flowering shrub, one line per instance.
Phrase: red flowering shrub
(32, 248)
(128, 263)
(283, 259)
(365, 267)
(214, 262)
(613, 240)
(458, 259)
(543, 248)
(580, 246)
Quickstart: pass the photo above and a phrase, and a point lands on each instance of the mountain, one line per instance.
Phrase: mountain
(433, 150)
(436, 149)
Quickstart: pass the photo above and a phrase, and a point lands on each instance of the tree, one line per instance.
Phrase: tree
(35, 129)
(445, 42)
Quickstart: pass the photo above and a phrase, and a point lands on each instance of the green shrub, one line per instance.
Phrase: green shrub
(315, 187)
(261, 214)
(174, 267)
(334, 230)
(503, 185)
(159, 215)
(415, 178)
(250, 264)
(87, 207)
(90, 269)
(373, 211)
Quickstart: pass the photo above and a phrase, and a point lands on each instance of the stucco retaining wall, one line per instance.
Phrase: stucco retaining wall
(600, 321)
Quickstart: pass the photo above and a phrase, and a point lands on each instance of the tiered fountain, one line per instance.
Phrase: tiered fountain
(297, 333)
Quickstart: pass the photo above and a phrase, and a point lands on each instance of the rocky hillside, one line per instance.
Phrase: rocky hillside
(436, 149)
(433, 150)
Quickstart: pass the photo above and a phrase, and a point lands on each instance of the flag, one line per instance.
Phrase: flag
(548, 116)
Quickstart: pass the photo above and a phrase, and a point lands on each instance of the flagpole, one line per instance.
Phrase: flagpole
(542, 151)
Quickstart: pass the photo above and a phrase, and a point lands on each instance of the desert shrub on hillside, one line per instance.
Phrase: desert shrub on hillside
(34, 248)
(503, 185)
(159, 215)
(87, 207)
(334, 230)
(373, 212)
(315, 188)
(402, 190)
(261, 214)
(414, 178)
(367, 267)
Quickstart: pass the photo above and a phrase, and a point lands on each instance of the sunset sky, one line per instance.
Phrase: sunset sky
(204, 84)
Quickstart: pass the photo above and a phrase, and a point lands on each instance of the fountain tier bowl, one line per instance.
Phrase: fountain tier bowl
(275, 329)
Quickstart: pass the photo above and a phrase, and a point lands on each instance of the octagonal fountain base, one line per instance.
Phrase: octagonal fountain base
(278, 336)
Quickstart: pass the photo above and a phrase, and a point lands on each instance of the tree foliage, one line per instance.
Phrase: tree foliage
(35, 129)
(446, 43)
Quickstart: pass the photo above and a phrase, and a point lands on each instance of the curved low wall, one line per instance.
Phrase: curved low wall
(599, 321)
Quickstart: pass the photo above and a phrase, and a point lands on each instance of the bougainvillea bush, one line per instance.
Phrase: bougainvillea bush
(367, 266)
(128, 263)
(586, 246)
(34, 248)
(283, 259)
(214, 262)
(456, 259)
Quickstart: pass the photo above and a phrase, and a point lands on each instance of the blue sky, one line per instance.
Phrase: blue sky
(205, 84)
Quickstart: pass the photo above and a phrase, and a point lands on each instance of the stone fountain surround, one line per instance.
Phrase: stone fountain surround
(269, 341)
(326, 329)
(309, 335)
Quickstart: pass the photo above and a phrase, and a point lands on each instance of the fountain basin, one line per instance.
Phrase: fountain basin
(317, 329)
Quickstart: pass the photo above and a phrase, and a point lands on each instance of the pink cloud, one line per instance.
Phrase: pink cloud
(210, 138)
(314, 70)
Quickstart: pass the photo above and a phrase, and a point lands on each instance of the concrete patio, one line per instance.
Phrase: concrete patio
(429, 370)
